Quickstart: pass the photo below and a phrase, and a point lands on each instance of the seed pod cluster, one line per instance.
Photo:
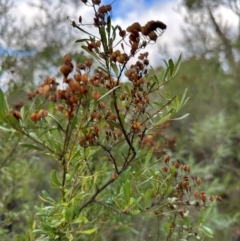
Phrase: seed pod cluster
(37, 116)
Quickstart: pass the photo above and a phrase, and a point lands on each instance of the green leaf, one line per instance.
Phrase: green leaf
(91, 53)
(114, 29)
(80, 219)
(149, 156)
(126, 190)
(103, 39)
(104, 69)
(135, 212)
(110, 91)
(184, 100)
(3, 104)
(153, 173)
(109, 26)
(82, 30)
(113, 124)
(177, 65)
(88, 231)
(165, 62)
(46, 197)
(5, 129)
(55, 179)
(182, 117)
(147, 196)
(115, 68)
(164, 119)
(30, 146)
(171, 66)
(122, 119)
(166, 74)
(137, 203)
(207, 231)
(127, 89)
(13, 122)
(56, 120)
(81, 40)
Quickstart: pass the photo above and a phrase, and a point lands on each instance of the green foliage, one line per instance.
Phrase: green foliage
(103, 136)
(209, 139)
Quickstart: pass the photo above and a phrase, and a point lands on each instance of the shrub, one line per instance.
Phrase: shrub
(102, 127)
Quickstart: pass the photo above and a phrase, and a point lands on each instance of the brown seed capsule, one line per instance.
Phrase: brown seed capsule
(134, 27)
(34, 117)
(165, 169)
(52, 97)
(59, 107)
(44, 89)
(114, 176)
(96, 95)
(81, 90)
(198, 181)
(88, 63)
(78, 77)
(153, 36)
(219, 199)
(212, 198)
(67, 59)
(85, 77)
(80, 19)
(16, 114)
(66, 70)
(102, 105)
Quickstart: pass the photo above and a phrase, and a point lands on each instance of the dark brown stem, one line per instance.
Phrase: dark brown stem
(112, 157)
(158, 110)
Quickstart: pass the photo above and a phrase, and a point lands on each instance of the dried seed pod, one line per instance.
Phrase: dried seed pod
(134, 27)
(66, 69)
(114, 176)
(80, 19)
(96, 2)
(88, 63)
(84, 77)
(96, 95)
(34, 117)
(67, 59)
(78, 77)
(44, 90)
(15, 113)
(129, 72)
(153, 36)
(53, 97)
(59, 107)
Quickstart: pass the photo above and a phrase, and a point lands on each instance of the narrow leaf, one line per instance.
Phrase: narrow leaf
(110, 91)
(103, 39)
(54, 178)
(177, 65)
(164, 119)
(182, 117)
(113, 124)
(91, 53)
(171, 66)
(3, 104)
(88, 231)
(115, 68)
(81, 40)
(126, 190)
(207, 231)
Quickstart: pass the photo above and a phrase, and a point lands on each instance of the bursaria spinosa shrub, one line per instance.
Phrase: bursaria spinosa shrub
(104, 126)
